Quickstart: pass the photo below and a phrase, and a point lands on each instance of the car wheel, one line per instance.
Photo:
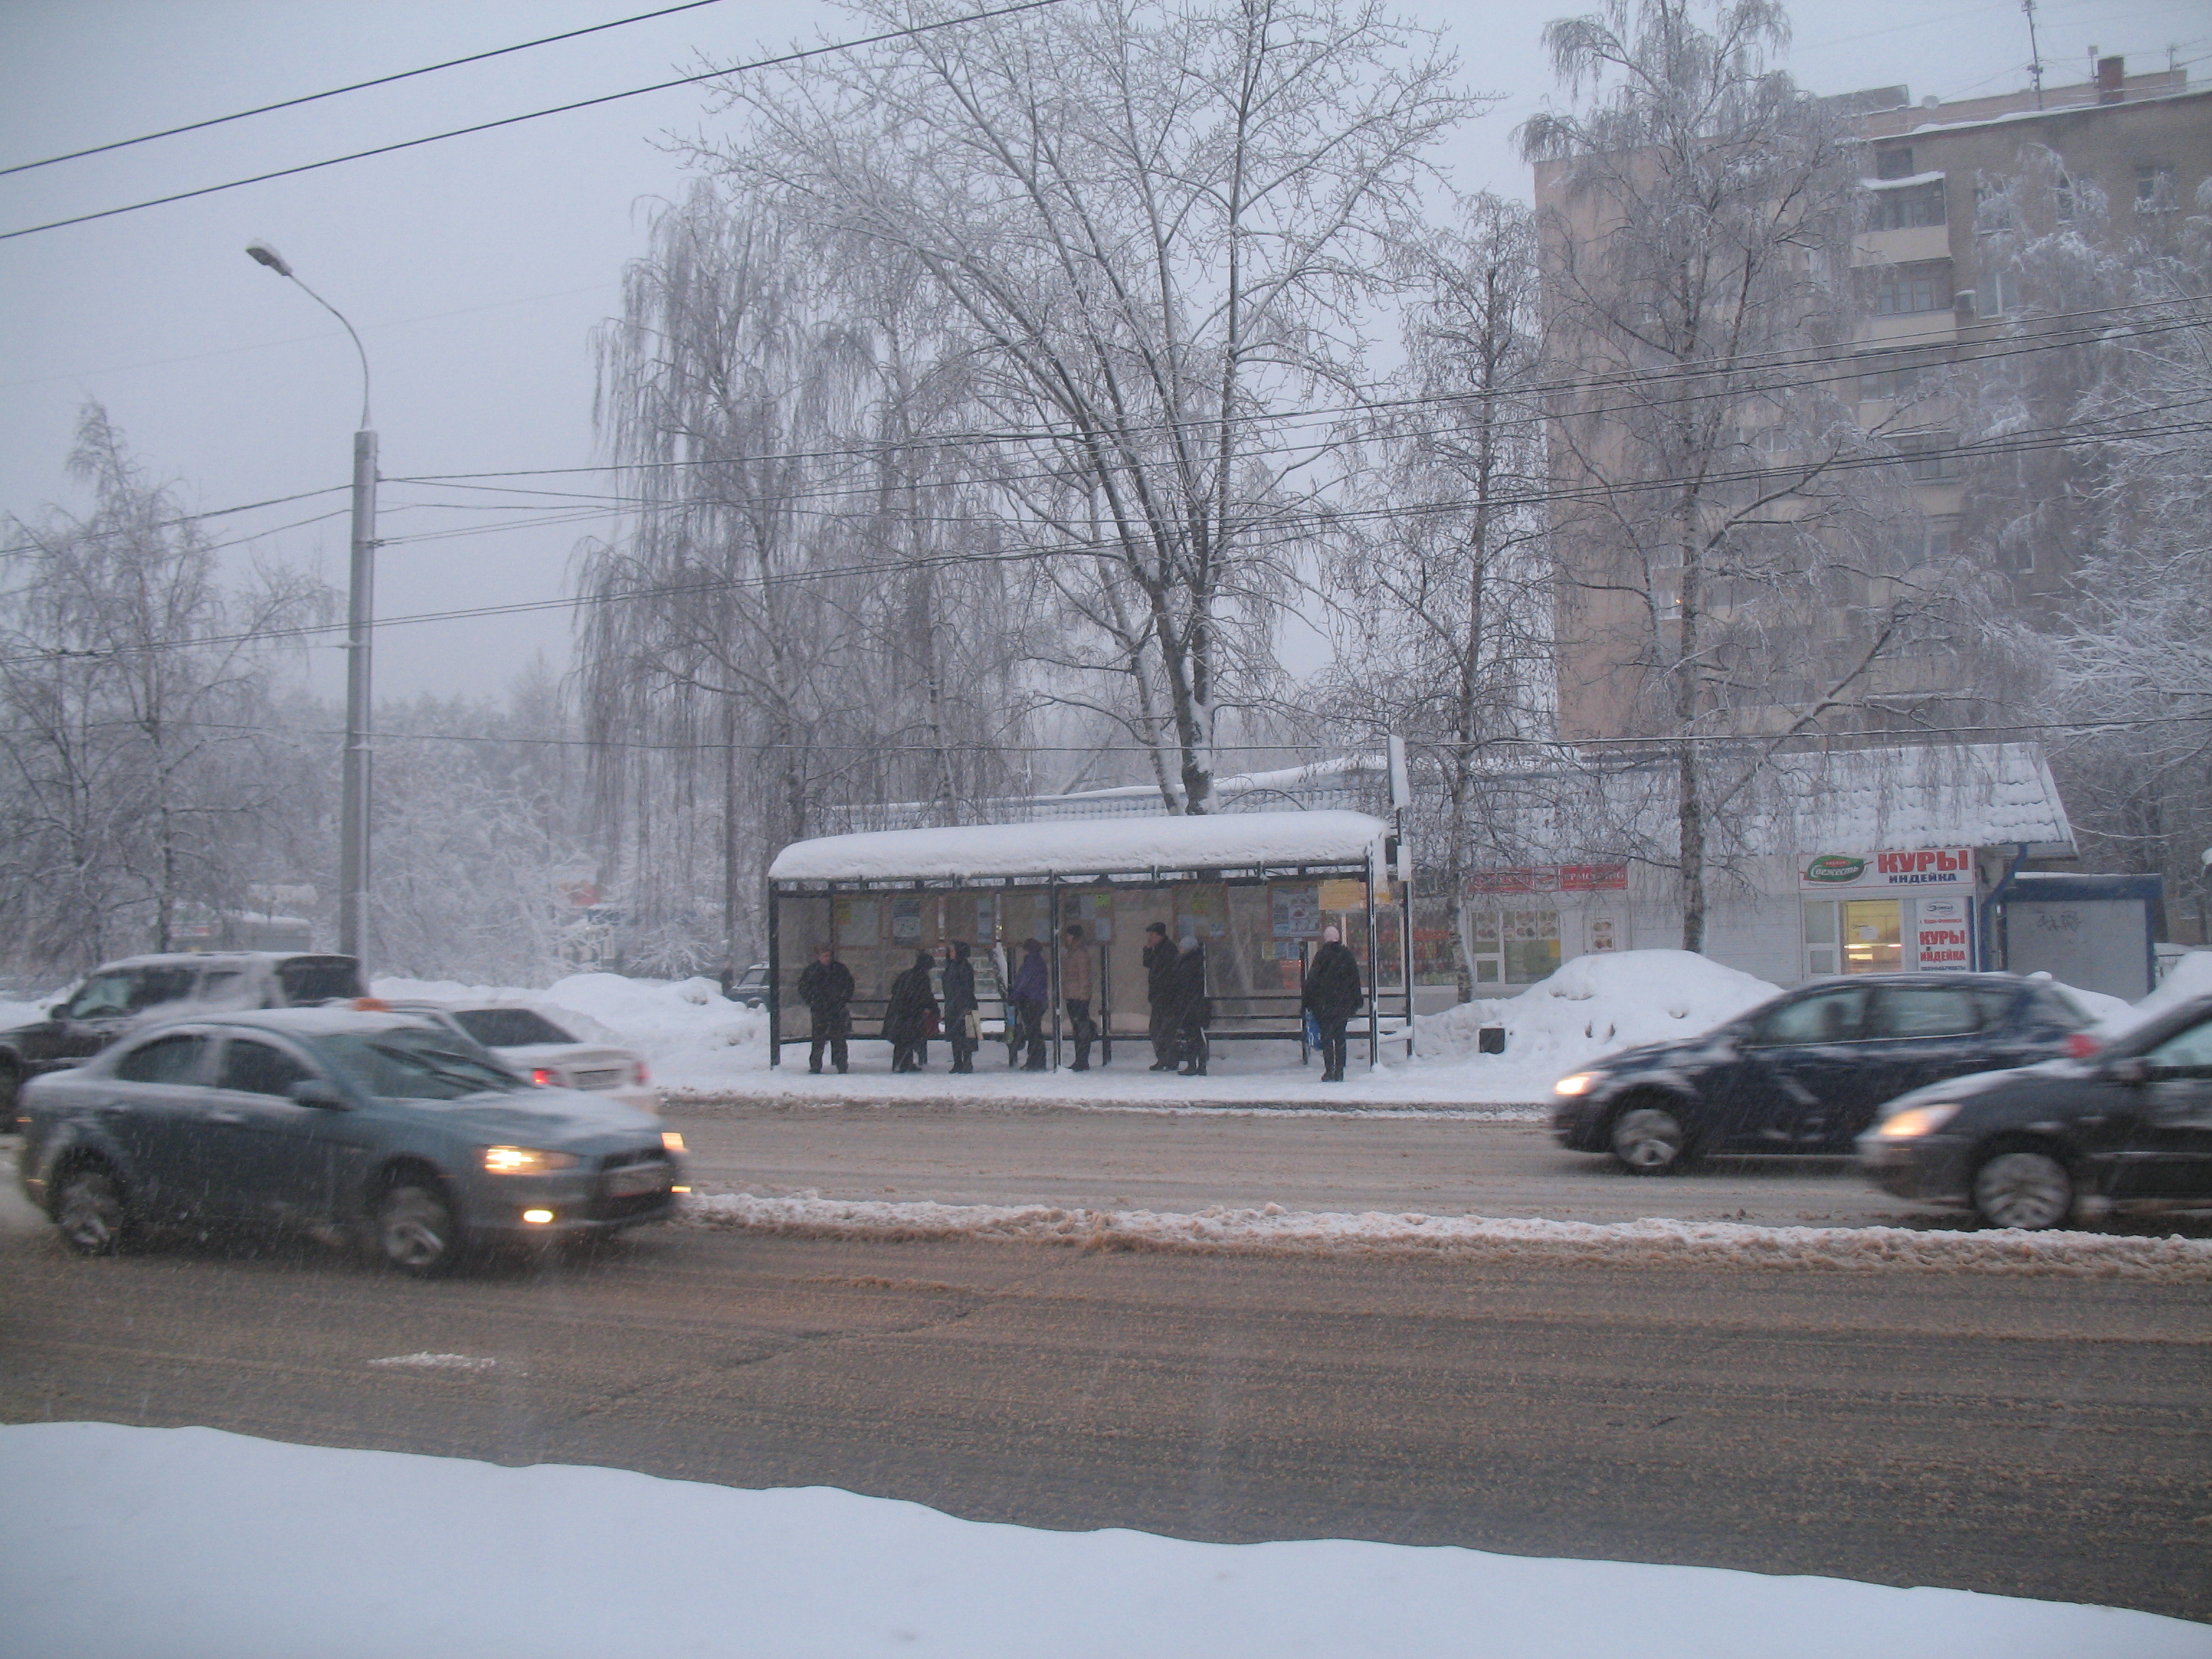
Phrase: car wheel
(416, 1229)
(1649, 1140)
(2023, 1189)
(11, 1086)
(91, 1212)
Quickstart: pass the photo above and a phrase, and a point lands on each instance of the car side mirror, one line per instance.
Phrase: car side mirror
(2128, 1068)
(317, 1091)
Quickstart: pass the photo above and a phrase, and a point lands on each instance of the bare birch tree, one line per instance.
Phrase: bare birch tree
(135, 696)
(1444, 588)
(1155, 227)
(1734, 569)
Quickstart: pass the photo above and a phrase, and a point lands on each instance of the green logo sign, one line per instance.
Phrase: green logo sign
(1834, 866)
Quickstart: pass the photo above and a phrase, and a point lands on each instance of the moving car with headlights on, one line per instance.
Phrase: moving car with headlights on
(120, 996)
(379, 1124)
(1807, 1072)
(546, 1054)
(2032, 1148)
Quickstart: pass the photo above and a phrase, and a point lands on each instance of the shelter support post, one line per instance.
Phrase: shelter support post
(774, 977)
(1056, 987)
(1374, 977)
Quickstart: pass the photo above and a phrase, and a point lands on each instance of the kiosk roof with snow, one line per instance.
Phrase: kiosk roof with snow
(1154, 848)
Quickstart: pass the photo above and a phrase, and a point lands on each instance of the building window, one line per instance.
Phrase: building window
(1894, 162)
(2000, 291)
(1898, 385)
(2064, 197)
(1928, 456)
(2154, 188)
(1910, 207)
(1993, 209)
(1906, 290)
(1516, 947)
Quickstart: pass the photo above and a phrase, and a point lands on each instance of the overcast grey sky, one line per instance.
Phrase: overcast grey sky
(476, 269)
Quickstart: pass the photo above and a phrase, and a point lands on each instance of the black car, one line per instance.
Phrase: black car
(2032, 1148)
(120, 996)
(1807, 1072)
(398, 1131)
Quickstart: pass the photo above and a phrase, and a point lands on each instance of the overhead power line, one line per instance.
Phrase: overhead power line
(358, 86)
(537, 115)
(2083, 332)
(2016, 444)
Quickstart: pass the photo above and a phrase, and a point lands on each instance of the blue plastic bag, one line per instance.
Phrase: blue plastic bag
(1313, 1030)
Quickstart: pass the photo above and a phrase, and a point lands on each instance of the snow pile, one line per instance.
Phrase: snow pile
(1592, 1006)
(2187, 980)
(192, 1542)
(691, 1035)
(1654, 1241)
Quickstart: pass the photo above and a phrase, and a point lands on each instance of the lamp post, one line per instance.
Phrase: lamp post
(361, 608)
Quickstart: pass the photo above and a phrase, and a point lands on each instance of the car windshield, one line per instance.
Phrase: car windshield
(319, 979)
(416, 1063)
(509, 1028)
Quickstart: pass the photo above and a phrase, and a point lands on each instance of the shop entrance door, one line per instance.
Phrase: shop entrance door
(1873, 936)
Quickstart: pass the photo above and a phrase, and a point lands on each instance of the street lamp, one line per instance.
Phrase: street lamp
(353, 811)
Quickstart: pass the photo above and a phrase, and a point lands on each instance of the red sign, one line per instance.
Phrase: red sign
(1550, 878)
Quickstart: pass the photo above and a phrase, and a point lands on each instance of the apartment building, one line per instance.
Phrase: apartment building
(1936, 296)
(1940, 291)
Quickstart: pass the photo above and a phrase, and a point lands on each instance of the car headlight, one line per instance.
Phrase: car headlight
(526, 1160)
(670, 1141)
(1576, 1083)
(1917, 1121)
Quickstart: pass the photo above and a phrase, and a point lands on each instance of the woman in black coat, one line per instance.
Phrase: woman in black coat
(1333, 992)
(960, 1005)
(906, 1020)
(1191, 1010)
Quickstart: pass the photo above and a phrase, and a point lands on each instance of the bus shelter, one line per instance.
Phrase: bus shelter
(1255, 889)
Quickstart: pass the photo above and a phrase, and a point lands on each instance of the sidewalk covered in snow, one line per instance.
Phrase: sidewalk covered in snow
(1255, 889)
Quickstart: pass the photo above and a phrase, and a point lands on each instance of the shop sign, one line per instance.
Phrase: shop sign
(1942, 939)
(1550, 878)
(1341, 894)
(1889, 872)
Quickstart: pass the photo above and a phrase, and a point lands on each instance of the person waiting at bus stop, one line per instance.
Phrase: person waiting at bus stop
(1332, 995)
(1031, 988)
(960, 1006)
(906, 1021)
(1159, 995)
(1075, 978)
(1190, 1011)
(826, 988)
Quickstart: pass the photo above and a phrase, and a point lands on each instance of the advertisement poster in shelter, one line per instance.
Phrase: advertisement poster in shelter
(1296, 907)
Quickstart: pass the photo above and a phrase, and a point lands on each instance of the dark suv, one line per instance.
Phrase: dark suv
(114, 999)
(1807, 1072)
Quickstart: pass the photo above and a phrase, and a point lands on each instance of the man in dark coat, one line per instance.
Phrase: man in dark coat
(1190, 1011)
(1159, 975)
(1026, 996)
(960, 1006)
(1333, 991)
(826, 988)
(906, 1020)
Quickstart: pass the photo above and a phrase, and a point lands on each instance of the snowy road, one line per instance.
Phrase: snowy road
(1312, 1162)
(2034, 1435)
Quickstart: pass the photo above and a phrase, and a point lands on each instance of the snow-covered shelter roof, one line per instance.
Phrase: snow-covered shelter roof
(1985, 794)
(1098, 847)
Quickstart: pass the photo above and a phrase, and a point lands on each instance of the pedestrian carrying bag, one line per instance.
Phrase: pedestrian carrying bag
(1313, 1030)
